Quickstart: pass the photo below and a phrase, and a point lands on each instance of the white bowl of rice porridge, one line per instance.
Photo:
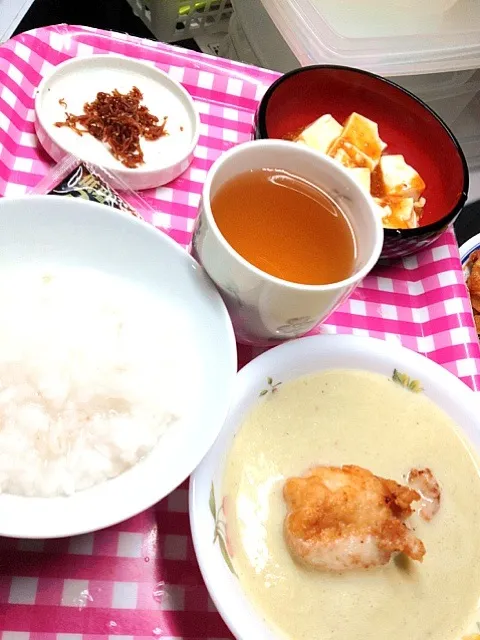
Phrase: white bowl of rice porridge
(341, 498)
(117, 360)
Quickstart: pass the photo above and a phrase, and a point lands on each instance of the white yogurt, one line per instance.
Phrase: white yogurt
(79, 82)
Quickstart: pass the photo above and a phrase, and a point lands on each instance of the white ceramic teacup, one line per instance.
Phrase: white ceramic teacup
(265, 309)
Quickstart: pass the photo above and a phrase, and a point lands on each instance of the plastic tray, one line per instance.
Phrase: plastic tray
(140, 579)
(171, 20)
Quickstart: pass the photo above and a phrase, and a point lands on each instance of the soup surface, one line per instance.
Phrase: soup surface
(353, 417)
(285, 226)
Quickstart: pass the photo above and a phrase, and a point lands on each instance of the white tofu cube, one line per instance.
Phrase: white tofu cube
(321, 133)
(362, 177)
(403, 209)
(349, 156)
(402, 214)
(361, 133)
(400, 179)
(418, 207)
(383, 209)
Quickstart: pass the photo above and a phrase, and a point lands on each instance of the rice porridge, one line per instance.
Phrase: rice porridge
(92, 373)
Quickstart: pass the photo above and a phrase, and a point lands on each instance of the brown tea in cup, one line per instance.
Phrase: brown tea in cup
(285, 226)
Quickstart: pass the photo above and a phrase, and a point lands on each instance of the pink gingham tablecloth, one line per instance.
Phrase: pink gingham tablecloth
(139, 579)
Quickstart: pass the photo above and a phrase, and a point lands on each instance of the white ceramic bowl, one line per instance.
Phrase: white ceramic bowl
(55, 231)
(283, 363)
(78, 81)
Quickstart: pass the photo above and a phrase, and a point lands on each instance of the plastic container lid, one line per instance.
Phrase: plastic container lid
(398, 37)
(467, 130)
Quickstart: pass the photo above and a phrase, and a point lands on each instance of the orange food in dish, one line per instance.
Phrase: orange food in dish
(118, 120)
(473, 285)
(394, 185)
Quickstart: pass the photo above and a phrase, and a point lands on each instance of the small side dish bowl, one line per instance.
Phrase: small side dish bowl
(406, 124)
(256, 383)
(48, 232)
(73, 83)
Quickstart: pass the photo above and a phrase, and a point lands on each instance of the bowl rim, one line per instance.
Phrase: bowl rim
(438, 225)
(468, 247)
(442, 380)
(122, 171)
(122, 507)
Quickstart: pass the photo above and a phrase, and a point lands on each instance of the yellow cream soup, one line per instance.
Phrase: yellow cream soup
(354, 417)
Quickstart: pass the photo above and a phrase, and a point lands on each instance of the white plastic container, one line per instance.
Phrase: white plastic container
(257, 40)
(449, 99)
(172, 20)
(236, 46)
(398, 37)
(467, 129)
(455, 95)
(433, 8)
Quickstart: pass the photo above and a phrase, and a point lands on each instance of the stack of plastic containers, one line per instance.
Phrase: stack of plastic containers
(431, 47)
(400, 36)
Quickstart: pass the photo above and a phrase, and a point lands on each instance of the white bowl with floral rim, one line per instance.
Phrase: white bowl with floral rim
(262, 376)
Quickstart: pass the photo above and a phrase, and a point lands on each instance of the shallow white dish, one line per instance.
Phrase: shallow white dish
(56, 232)
(281, 364)
(78, 81)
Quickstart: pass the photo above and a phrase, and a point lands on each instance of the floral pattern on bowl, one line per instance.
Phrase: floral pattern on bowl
(220, 533)
(405, 381)
(296, 326)
(271, 388)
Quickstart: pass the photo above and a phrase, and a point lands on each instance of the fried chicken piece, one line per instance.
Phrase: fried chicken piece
(475, 300)
(474, 280)
(473, 285)
(474, 257)
(425, 483)
(342, 518)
